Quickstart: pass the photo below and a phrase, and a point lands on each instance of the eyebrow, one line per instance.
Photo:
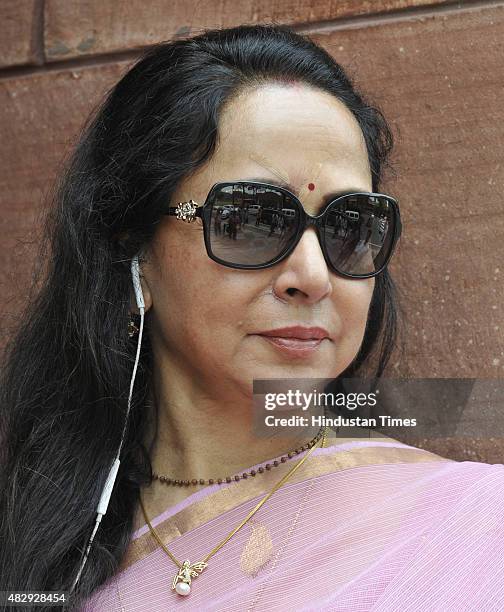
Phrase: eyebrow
(292, 189)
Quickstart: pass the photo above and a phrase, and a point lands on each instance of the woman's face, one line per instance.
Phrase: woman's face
(205, 318)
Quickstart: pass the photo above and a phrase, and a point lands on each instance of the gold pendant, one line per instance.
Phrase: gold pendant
(182, 580)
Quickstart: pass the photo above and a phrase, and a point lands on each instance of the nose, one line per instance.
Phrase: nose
(304, 275)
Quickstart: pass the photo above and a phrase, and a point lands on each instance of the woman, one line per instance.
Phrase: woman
(253, 522)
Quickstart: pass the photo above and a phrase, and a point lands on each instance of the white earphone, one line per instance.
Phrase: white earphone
(109, 483)
(135, 273)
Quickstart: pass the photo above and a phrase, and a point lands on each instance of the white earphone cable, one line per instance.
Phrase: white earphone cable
(109, 483)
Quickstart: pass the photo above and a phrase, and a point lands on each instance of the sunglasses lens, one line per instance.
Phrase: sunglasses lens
(251, 225)
(358, 233)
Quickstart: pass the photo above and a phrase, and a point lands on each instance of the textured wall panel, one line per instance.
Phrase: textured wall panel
(76, 29)
(18, 36)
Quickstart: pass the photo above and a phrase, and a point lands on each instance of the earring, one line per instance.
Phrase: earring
(133, 328)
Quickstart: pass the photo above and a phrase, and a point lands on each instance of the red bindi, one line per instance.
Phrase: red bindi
(311, 186)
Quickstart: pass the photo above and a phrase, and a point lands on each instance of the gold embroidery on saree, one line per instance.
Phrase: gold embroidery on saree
(258, 549)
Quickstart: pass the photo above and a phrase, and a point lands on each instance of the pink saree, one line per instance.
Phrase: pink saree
(365, 525)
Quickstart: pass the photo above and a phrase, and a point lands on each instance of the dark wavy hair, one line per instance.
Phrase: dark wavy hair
(67, 368)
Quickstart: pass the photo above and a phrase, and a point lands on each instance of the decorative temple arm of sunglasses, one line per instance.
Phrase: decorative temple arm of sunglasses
(186, 211)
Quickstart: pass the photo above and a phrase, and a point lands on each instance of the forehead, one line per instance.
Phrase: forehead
(291, 125)
(295, 135)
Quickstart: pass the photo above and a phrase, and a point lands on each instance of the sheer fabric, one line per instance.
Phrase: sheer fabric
(366, 525)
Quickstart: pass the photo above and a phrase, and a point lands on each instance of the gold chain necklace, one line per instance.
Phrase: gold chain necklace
(187, 570)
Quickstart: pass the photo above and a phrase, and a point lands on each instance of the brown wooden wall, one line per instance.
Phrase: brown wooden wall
(434, 68)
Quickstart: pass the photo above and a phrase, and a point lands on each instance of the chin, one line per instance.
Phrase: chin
(294, 370)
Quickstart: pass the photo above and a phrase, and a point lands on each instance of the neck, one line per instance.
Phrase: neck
(199, 436)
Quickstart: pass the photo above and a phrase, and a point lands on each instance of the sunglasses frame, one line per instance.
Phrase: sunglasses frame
(189, 211)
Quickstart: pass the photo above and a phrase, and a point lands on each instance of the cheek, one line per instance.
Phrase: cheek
(179, 258)
(197, 303)
(352, 299)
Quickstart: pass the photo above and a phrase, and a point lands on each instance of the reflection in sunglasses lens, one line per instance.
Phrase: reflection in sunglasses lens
(251, 225)
(358, 233)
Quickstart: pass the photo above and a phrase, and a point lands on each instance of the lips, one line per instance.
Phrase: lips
(297, 332)
(296, 341)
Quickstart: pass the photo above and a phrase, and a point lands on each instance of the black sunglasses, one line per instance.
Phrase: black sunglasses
(250, 225)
